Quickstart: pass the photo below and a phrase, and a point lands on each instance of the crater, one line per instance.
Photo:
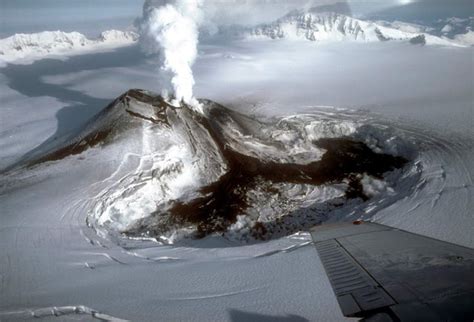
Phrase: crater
(221, 202)
(228, 175)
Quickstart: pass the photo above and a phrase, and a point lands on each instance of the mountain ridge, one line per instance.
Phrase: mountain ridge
(30, 47)
(325, 26)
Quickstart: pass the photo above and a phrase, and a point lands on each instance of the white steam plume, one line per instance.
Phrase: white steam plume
(171, 29)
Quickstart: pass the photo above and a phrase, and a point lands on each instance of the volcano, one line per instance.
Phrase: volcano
(222, 171)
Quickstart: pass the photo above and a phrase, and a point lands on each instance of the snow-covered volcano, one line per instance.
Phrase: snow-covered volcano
(224, 172)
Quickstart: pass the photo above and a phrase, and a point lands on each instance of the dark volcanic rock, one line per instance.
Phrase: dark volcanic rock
(224, 199)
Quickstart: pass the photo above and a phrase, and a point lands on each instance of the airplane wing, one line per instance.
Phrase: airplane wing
(380, 273)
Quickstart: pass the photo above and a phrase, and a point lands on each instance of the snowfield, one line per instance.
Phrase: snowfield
(63, 254)
(26, 48)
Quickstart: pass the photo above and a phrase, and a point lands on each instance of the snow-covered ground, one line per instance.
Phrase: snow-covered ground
(26, 48)
(55, 262)
(329, 26)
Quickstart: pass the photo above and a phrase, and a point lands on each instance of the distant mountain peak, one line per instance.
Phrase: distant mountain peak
(320, 25)
(31, 47)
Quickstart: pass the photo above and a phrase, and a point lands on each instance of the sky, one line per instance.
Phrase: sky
(89, 17)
